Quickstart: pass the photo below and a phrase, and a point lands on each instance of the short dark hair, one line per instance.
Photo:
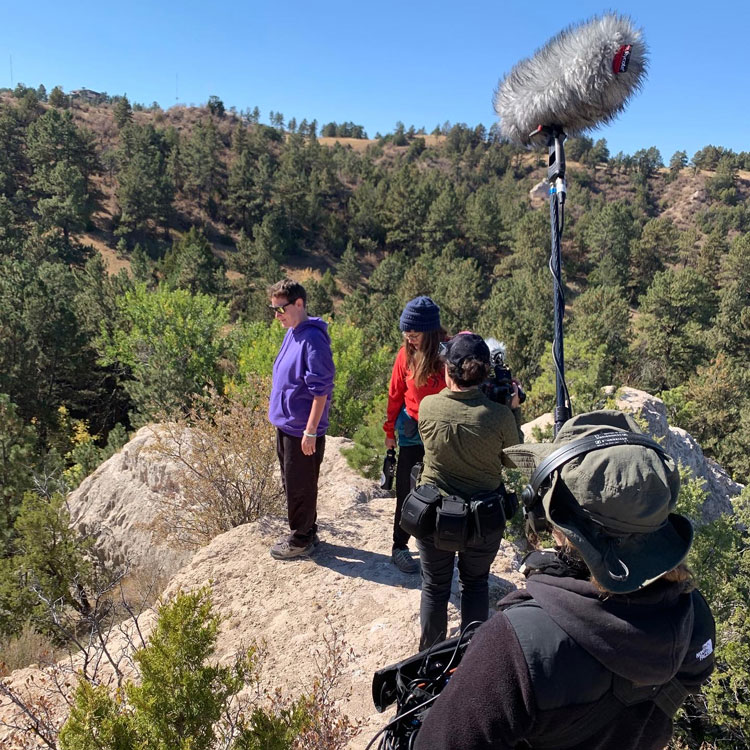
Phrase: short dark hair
(292, 290)
(470, 371)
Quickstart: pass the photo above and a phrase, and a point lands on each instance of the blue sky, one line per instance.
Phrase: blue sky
(421, 63)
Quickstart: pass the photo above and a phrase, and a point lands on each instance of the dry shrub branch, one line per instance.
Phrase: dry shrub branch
(330, 728)
(227, 453)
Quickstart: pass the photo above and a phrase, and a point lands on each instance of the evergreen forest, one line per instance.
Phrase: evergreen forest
(137, 244)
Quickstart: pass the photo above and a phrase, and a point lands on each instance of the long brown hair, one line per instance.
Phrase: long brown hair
(424, 362)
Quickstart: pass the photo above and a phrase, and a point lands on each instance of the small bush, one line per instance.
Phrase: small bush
(185, 702)
(226, 450)
(367, 454)
(27, 647)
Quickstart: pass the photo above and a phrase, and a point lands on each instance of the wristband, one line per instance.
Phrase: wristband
(307, 434)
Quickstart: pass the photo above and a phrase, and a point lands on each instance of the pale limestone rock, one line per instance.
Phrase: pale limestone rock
(539, 193)
(683, 447)
(119, 502)
(349, 586)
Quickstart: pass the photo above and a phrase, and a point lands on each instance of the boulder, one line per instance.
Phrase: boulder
(119, 502)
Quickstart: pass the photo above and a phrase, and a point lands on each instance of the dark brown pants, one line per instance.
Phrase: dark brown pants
(299, 476)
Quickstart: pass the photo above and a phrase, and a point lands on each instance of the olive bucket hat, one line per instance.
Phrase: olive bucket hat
(614, 501)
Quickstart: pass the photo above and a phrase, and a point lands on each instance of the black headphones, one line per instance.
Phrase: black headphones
(541, 478)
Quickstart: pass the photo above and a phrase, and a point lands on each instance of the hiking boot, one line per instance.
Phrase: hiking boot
(403, 560)
(316, 540)
(283, 550)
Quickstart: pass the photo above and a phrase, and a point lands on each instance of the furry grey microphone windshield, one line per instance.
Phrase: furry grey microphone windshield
(581, 78)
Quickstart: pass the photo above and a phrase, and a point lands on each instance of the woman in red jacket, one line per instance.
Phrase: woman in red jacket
(417, 372)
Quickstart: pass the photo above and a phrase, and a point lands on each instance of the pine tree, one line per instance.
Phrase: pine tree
(141, 266)
(671, 328)
(605, 238)
(57, 98)
(731, 329)
(17, 448)
(145, 190)
(443, 224)
(657, 243)
(249, 185)
(192, 265)
(122, 112)
(11, 154)
(708, 262)
(405, 211)
(677, 163)
(200, 157)
(46, 359)
(216, 106)
(63, 159)
(348, 268)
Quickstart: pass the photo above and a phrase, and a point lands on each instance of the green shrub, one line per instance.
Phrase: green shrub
(585, 374)
(720, 560)
(182, 701)
(367, 454)
(51, 578)
(171, 341)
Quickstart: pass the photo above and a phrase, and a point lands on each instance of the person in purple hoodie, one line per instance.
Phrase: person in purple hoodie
(300, 398)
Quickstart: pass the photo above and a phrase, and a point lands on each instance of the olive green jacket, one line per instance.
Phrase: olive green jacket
(464, 434)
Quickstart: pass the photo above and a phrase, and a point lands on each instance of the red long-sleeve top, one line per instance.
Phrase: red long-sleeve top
(404, 391)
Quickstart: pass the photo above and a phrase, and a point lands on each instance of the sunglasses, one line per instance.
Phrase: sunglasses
(280, 309)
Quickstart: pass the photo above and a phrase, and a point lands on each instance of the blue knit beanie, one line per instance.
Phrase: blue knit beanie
(420, 314)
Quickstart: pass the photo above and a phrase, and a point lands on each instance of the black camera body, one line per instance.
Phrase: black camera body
(389, 469)
(499, 386)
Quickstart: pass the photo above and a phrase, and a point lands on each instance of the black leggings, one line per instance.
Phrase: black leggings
(408, 455)
(437, 575)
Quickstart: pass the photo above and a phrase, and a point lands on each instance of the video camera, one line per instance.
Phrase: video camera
(499, 386)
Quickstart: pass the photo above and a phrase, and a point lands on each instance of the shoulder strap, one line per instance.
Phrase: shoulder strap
(604, 709)
(671, 696)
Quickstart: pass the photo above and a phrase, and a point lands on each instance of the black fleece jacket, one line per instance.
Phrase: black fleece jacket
(490, 702)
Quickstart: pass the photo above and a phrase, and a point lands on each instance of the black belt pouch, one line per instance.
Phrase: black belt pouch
(452, 526)
(419, 510)
(488, 516)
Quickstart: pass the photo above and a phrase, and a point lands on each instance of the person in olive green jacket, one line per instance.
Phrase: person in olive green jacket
(464, 434)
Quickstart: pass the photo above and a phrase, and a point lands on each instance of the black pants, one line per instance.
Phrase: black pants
(299, 476)
(437, 574)
(408, 455)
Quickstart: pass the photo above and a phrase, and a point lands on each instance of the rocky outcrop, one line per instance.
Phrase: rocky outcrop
(348, 587)
(120, 501)
(683, 447)
(539, 194)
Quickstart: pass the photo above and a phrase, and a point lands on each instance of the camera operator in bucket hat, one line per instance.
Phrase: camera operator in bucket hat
(610, 634)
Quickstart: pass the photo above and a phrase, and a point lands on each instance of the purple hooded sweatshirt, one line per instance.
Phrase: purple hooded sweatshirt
(303, 369)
